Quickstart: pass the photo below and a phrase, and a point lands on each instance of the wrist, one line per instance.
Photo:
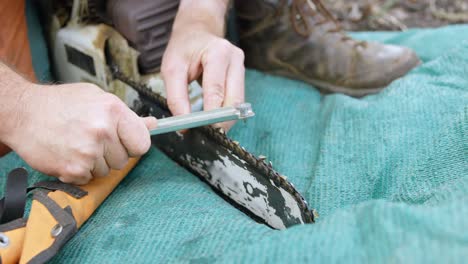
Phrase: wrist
(16, 111)
(206, 15)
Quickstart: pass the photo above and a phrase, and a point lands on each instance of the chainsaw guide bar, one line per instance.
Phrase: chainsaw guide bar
(245, 181)
(118, 46)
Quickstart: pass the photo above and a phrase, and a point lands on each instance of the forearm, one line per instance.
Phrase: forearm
(209, 14)
(13, 92)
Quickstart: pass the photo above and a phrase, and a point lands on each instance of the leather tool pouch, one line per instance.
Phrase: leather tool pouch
(58, 210)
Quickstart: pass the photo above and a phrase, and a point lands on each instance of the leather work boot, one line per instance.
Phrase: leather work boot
(300, 39)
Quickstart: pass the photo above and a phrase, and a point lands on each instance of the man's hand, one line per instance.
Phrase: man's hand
(76, 131)
(197, 48)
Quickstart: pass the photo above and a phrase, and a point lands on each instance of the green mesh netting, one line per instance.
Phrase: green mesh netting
(388, 174)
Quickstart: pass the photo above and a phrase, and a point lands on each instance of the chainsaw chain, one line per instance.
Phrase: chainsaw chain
(219, 135)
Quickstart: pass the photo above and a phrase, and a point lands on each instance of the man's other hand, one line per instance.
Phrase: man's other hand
(196, 49)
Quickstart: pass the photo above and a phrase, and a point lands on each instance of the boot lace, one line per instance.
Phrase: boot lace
(314, 7)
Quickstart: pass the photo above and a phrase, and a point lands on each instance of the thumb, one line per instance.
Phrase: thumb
(133, 133)
(150, 122)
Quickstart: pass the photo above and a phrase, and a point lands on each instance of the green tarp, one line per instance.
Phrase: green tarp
(388, 174)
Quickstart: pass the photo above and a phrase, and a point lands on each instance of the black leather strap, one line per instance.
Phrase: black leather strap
(13, 204)
(72, 190)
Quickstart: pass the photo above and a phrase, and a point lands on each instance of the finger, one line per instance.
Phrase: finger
(150, 122)
(215, 65)
(235, 84)
(115, 154)
(101, 169)
(78, 176)
(235, 80)
(175, 76)
(76, 172)
(133, 133)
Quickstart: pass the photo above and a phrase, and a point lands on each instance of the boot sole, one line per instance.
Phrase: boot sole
(327, 88)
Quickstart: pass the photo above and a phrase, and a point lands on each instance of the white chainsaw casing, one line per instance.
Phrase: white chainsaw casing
(79, 56)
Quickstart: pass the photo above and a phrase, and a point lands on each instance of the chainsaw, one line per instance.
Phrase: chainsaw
(118, 45)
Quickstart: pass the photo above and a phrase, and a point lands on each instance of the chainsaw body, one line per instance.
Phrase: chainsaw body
(81, 44)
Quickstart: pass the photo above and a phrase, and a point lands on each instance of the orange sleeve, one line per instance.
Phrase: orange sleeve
(14, 43)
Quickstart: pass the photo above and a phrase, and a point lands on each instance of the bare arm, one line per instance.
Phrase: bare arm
(72, 131)
(196, 48)
(12, 89)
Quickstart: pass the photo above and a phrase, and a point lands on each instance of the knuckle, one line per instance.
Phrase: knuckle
(117, 160)
(65, 179)
(174, 102)
(121, 164)
(223, 44)
(100, 130)
(88, 154)
(72, 171)
(112, 104)
(101, 125)
(142, 147)
(237, 101)
(82, 181)
(222, 48)
(216, 95)
(239, 53)
(169, 68)
(103, 173)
